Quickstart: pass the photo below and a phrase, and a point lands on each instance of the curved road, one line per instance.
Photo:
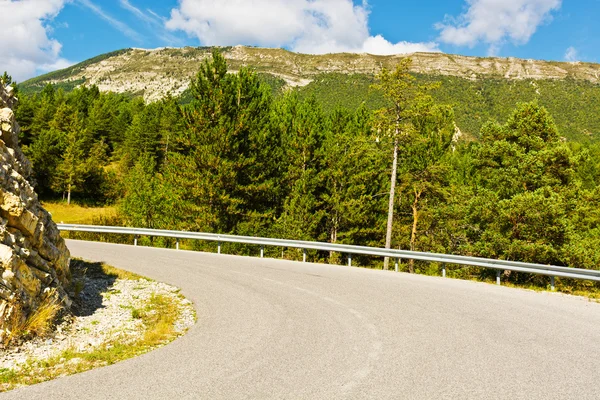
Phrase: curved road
(286, 330)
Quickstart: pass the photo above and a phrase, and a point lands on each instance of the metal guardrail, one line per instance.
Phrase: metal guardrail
(500, 265)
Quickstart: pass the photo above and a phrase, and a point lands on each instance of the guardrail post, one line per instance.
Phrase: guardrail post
(396, 264)
(262, 251)
(551, 271)
(218, 247)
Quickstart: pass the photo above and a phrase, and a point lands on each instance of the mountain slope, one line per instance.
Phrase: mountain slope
(572, 103)
(479, 88)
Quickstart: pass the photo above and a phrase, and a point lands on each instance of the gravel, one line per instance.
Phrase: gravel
(102, 313)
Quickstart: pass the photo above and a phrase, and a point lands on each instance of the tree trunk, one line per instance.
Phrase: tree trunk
(69, 195)
(413, 234)
(390, 221)
(333, 237)
(167, 151)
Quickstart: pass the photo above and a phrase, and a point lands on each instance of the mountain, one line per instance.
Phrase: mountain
(479, 88)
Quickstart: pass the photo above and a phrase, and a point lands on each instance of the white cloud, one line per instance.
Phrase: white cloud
(148, 18)
(61, 63)
(379, 45)
(25, 45)
(307, 26)
(495, 21)
(153, 20)
(156, 15)
(119, 25)
(571, 54)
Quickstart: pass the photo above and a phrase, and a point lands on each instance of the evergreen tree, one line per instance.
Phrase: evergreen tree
(301, 126)
(24, 114)
(424, 178)
(43, 113)
(5, 79)
(406, 100)
(142, 137)
(95, 185)
(146, 200)
(46, 152)
(100, 117)
(353, 180)
(82, 99)
(219, 162)
(527, 181)
(70, 173)
(171, 124)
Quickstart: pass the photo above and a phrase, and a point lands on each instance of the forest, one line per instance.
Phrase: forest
(572, 102)
(241, 158)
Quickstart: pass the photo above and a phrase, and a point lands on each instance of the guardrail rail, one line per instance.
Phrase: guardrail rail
(499, 265)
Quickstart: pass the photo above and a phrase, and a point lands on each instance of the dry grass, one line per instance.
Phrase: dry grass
(76, 214)
(39, 323)
(81, 268)
(121, 274)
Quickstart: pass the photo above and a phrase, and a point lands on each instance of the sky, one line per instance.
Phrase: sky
(39, 36)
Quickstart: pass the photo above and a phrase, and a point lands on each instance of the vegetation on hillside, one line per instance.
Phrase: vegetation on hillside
(239, 159)
(37, 84)
(479, 89)
(475, 102)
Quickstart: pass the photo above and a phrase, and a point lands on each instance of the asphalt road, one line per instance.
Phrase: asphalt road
(272, 329)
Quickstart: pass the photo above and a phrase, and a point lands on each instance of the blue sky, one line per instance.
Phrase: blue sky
(44, 35)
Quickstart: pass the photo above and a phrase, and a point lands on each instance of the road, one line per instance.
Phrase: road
(274, 329)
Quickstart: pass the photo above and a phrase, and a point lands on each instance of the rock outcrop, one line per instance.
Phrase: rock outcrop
(154, 73)
(34, 260)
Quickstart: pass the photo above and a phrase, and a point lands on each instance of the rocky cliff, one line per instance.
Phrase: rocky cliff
(154, 73)
(34, 261)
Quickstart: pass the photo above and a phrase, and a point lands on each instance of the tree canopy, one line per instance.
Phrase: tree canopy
(239, 160)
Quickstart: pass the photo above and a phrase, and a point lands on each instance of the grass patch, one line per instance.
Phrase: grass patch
(158, 317)
(77, 214)
(121, 274)
(37, 324)
(7, 375)
(526, 281)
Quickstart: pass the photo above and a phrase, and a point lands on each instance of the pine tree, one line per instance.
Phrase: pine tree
(425, 171)
(301, 126)
(142, 137)
(219, 164)
(527, 185)
(406, 100)
(46, 151)
(146, 200)
(101, 114)
(70, 173)
(353, 180)
(6, 79)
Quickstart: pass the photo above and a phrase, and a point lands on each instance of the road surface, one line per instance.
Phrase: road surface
(273, 329)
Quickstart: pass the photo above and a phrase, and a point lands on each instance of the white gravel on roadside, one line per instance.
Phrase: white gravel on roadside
(100, 320)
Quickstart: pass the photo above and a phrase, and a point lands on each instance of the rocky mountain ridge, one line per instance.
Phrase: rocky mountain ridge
(155, 73)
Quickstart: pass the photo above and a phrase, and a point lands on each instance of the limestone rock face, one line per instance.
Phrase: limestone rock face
(155, 73)
(33, 256)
